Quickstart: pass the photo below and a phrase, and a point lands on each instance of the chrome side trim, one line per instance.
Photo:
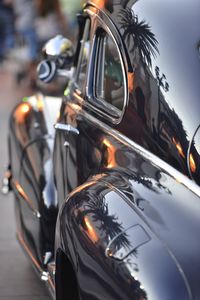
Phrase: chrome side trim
(189, 152)
(21, 193)
(153, 159)
(113, 32)
(66, 127)
(43, 275)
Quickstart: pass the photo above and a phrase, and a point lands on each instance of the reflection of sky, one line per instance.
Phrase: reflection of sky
(179, 37)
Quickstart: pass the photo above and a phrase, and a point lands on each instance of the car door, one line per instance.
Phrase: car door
(66, 160)
(94, 102)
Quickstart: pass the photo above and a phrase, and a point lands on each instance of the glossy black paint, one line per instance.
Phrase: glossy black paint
(140, 259)
(31, 145)
(128, 220)
(163, 77)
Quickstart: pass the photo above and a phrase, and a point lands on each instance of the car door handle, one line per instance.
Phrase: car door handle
(66, 127)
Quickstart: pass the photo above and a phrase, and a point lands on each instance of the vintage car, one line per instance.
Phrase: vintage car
(106, 180)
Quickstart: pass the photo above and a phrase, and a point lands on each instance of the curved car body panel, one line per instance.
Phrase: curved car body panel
(31, 144)
(124, 234)
(160, 197)
(163, 76)
(126, 135)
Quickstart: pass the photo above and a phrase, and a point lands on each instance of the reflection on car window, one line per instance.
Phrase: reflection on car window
(110, 82)
(83, 57)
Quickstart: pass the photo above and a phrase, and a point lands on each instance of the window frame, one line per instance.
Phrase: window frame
(82, 41)
(101, 53)
(111, 113)
(86, 97)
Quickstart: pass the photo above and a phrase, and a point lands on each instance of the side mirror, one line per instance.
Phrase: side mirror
(46, 70)
(59, 49)
(58, 53)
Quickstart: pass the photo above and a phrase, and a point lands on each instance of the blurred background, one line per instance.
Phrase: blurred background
(25, 26)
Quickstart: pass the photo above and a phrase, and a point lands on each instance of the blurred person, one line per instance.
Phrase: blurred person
(6, 27)
(72, 8)
(51, 20)
(26, 12)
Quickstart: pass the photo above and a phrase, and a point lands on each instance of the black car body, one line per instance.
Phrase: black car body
(105, 208)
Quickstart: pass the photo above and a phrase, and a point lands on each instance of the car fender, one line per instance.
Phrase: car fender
(31, 138)
(109, 240)
(32, 121)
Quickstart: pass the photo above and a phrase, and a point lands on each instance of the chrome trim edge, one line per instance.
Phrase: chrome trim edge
(158, 162)
(43, 275)
(21, 193)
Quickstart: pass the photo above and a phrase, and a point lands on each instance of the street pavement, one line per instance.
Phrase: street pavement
(18, 280)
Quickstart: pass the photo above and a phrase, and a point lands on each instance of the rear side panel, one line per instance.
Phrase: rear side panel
(114, 250)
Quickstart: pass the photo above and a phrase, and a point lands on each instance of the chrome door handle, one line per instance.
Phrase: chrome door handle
(66, 127)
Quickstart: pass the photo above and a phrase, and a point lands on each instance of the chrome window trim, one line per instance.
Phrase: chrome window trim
(80, 57)
(90, 103)
(22, 195)
(109, 106)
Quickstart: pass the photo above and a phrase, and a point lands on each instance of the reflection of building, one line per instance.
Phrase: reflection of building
(162, 122)
(154, 124)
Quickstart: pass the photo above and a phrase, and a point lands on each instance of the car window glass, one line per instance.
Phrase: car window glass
(109, 73)
(83, 57)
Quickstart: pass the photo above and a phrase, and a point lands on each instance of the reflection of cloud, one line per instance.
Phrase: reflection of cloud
(138, 36)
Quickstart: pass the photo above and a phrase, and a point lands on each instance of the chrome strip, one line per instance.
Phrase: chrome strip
(44, 276)
(108, 251)
(123, 64)
(189, 152)
(158, 162)
(17, 188)
(66, 127)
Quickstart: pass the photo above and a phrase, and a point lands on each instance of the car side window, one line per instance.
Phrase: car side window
(109, 73)
(83, 56)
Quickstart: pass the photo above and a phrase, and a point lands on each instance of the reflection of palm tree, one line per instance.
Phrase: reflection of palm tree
(99, 210)
(108, 223)
(140, 32)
